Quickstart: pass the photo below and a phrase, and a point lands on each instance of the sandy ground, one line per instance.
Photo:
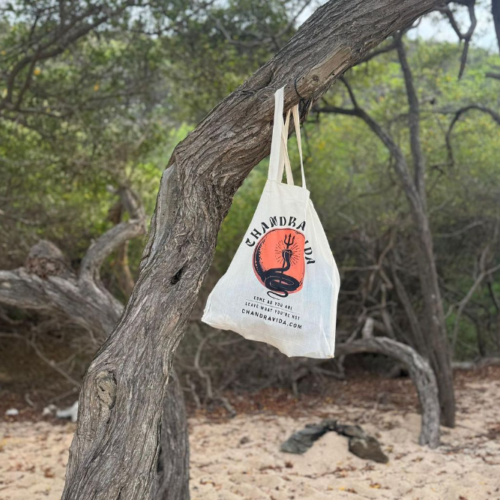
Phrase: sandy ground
(240, 458)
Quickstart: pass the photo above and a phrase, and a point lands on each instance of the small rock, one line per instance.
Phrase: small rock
(12, 412)
(301, 441)
(367, 448)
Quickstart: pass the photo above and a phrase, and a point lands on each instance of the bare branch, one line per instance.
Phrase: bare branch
(48, 283)
(42, 356)
(400, 163)
(417, 335)
(458, 114)
(20, 289)
(413, 121)
(115, 237)
(350, 91)
(467, 36)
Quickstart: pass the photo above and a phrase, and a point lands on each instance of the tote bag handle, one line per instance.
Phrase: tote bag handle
(284, 159)
(279, 150)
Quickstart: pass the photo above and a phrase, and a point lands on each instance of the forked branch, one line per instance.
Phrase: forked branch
(467, 36)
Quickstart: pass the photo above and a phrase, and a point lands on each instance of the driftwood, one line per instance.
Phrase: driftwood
(47, 283)
(420, 372)
(116, 445)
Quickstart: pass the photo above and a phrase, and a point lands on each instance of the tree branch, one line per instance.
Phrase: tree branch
(382, 50)
(115, 237)
(400, 164)
(467, 36)
(47, 282)
(458, 114)
(484, 273)
(413, 121)
(420, 372)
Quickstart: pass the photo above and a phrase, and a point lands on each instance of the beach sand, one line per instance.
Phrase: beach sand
(240, 459)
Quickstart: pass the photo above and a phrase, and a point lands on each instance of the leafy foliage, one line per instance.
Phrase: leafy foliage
(110, 105)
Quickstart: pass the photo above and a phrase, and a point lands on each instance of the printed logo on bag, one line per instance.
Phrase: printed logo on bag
(280, 256)
(278, 262)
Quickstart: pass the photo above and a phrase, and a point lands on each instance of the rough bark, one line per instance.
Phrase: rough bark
(47, 283)
(420, 372)
(435, 331)
(116, 445)
(172, 480)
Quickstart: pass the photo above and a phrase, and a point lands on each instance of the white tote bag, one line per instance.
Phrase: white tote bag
(282, 285)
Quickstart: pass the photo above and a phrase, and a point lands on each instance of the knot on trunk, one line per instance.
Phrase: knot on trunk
(45, 260)
(106, 389)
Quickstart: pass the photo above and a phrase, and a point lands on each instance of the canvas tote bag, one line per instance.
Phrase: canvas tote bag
(282, 285)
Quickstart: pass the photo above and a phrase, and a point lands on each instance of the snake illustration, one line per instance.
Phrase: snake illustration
(275, 279)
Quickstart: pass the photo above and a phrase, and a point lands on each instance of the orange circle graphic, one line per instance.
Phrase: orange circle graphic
(278, 262)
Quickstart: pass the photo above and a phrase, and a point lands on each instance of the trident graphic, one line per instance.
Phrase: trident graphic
(289, 241)
(287, 254)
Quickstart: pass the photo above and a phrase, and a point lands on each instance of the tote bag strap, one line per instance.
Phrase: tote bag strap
(296, 121)
(285, 160)
(276, 145)
(279, 159)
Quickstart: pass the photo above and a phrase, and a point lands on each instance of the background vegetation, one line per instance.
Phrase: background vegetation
(108, 110)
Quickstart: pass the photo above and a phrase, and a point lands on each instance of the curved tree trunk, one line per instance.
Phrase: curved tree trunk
(48, 284)
(117, 443)
(420, 372)
(436, 335)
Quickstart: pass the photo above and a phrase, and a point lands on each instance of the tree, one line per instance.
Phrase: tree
(116, 444)
(432, 339)
(47, 283)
